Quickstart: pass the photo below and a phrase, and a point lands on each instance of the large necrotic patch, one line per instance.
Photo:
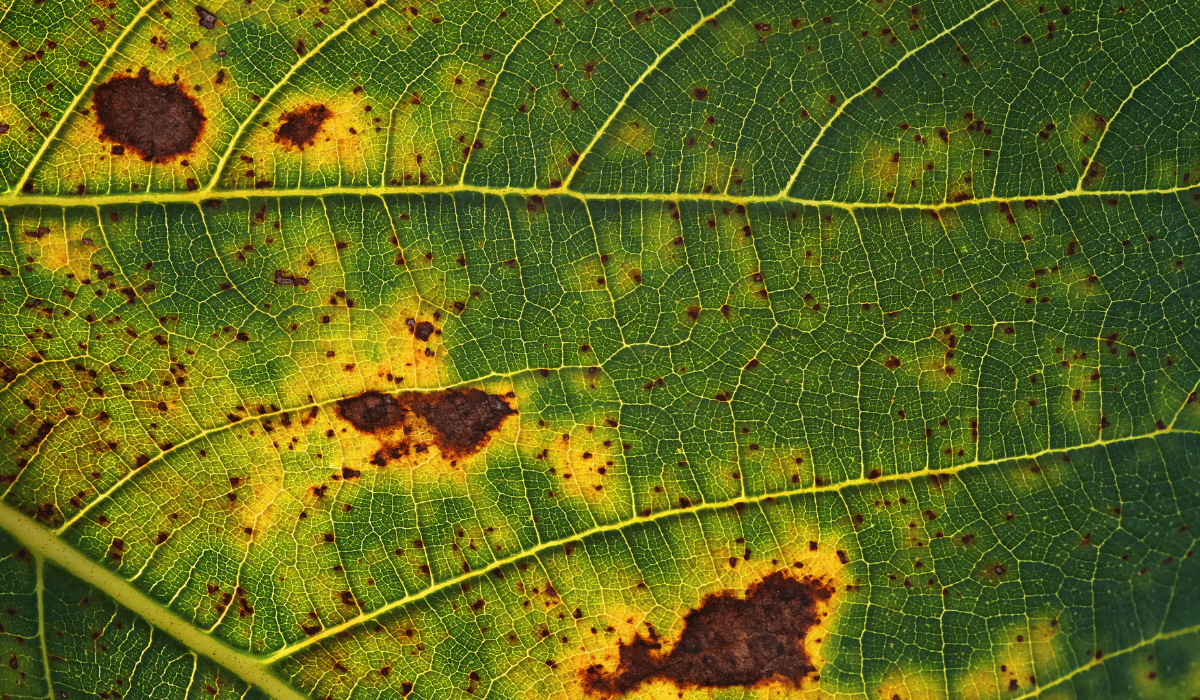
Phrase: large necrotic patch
(156, 121)
(459, 422)
(728, 641)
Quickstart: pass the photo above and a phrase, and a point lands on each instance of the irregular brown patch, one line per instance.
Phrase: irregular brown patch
(158, 121)
(729, 641)
(206, 19)
(301, 126)
(459, 422)
(283, 278)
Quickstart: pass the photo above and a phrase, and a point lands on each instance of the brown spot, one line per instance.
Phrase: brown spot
(700, 94)
(461, 420)
(300, 126)
(728, 641)
(421, 330)
(207, 19)
(892, 362)
(282, 278)
(157, 121)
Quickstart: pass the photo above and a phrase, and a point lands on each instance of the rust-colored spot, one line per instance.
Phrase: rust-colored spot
(156, 121)
(460, 421)
(728, 641)
(301, 126)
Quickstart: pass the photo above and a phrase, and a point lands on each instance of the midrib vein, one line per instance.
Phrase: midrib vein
(46, 547)
(199, 197)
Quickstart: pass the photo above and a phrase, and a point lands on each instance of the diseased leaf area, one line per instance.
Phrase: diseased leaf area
(591, 349)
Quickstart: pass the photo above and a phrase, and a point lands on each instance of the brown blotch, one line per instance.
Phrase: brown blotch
(728, 641)
(156, 121)
(460, 421)
(421, 330)
(283, 278)
(301, 126)
(207, 19)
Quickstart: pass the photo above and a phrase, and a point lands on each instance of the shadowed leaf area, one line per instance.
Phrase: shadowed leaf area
(595, 349)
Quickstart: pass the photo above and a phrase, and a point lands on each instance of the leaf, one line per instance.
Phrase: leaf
(571, 350)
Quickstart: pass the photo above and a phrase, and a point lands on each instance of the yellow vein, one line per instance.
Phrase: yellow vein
(637, 83)
(44, 545)
(842, 107)
(200, 197)
(252, 118)
(837, 487)
(496, 82)
(1132, 92)
(101, 65)
(1162, 636)
(40, 589)
(7, 9)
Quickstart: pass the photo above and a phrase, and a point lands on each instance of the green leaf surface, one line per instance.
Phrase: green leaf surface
(893, 298)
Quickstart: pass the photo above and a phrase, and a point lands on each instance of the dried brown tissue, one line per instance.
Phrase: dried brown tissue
(728, 641)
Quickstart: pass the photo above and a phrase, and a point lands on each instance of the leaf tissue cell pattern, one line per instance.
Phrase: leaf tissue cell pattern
(592, 349)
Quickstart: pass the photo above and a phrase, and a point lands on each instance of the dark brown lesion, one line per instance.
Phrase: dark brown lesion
(301, 126)
(459, 422)
(728, 641)
(157, 121)
(421, 330)
(206, 19)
